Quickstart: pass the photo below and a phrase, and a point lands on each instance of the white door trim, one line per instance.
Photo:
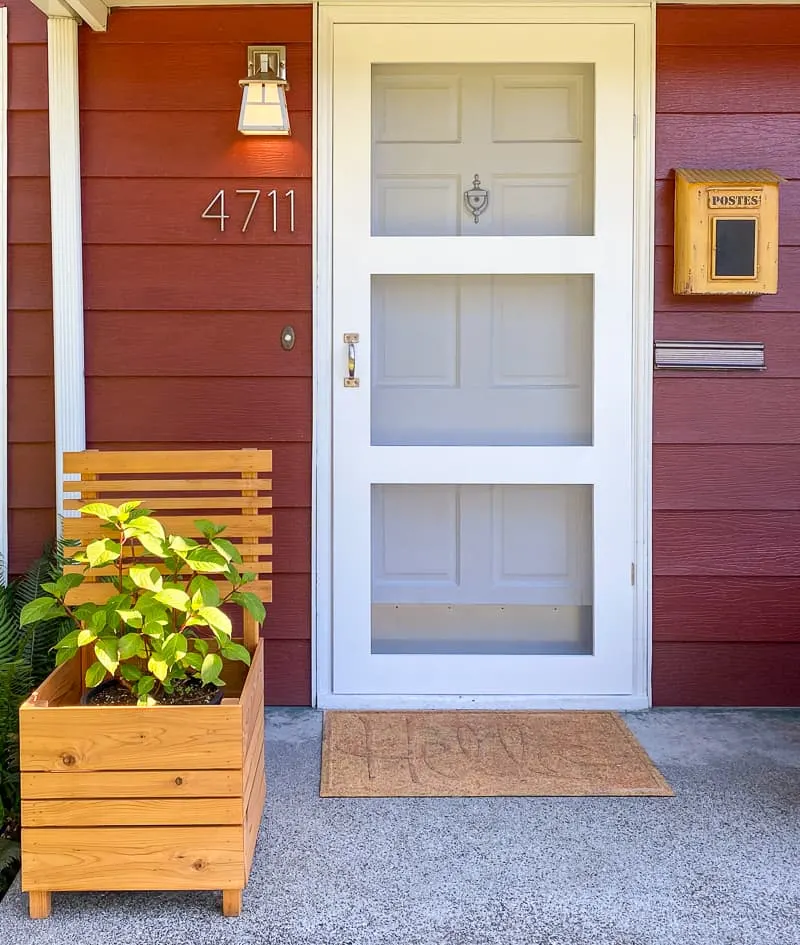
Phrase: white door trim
(643, 18)
(4, 453)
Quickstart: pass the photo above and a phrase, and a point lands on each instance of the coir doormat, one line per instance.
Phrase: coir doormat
(484, 754)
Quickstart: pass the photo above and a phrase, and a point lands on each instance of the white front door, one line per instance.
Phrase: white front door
(483, 337)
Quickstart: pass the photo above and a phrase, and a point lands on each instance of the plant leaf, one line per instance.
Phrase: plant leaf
(95, 674)
(43, 608)
(153, 544)
(209, 529)
(130, 672)
(211, 668)
(201, 646)
(174, 598)
(235, 651)
(216, 619)
(206, 560)
(129, 646)
(133, 618)
(227, 549)
(146, 577)
(207, 589)
(103, 551)
(101, 510)
(251, 603)
(86, 636)
(107, 653)
(145, 525)
(158, 667)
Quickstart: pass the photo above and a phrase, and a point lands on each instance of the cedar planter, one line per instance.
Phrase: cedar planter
(131, 798)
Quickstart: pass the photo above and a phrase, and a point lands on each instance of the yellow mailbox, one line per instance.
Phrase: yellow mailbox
(726, 232)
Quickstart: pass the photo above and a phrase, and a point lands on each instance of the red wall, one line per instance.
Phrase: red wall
(726, 586)
(31, 429)
(183, 322)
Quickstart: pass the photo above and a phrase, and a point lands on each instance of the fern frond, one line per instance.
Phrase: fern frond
(9, 854)
(10, 633)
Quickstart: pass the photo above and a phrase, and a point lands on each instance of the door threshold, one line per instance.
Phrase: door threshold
(622, 703)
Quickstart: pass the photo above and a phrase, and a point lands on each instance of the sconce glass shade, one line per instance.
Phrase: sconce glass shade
(263, 109)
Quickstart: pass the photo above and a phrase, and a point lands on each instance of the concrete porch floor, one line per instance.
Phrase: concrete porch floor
(717, 865)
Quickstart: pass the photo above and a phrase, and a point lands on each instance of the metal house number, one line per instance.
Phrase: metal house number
(219, 214)
(476, 199)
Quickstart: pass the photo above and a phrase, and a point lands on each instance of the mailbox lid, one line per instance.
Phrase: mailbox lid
(727, 177)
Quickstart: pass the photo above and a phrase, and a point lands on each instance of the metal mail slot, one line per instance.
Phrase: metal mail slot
(710, 355)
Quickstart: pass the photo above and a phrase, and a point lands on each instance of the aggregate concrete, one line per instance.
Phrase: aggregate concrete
(719, 864)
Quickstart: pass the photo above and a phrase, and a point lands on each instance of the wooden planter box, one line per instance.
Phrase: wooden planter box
(123, 797)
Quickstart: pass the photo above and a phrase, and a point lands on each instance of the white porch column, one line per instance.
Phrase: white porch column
(3, 293)
(65, 214)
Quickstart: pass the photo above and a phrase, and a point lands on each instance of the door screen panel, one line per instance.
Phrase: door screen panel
(481, 360)
(526, 131)
(482, 569)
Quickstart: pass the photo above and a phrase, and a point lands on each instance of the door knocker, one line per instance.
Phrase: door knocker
(476, 199)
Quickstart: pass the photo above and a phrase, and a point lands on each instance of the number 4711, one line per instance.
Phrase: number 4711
(219, 201)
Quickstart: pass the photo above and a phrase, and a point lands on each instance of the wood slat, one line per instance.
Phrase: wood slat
(142, 812)
(103, 486)
(252, 702)
(253, 814)
(244, 547)
(120, 211)
(153, 76)
(746, 410)
(735, 674)
(726, 543)
(740, 478)
(82, 739)
(130, 858)
(62, 687)
(252, 346)
(189, 503)
(212, 278)
(693, 609)
(191, 462)
(164, 144)
(176, 782)
(235, 526)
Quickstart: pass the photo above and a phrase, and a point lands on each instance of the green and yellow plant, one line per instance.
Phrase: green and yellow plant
(163, 627)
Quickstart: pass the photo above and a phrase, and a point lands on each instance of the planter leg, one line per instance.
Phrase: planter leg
(39, 904)
(231, 902)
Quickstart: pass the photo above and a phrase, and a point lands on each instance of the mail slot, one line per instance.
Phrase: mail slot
(726, 232)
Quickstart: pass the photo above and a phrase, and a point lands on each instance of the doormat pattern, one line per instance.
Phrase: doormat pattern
(484, 754)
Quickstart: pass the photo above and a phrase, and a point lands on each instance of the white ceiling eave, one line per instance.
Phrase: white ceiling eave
(93, 12)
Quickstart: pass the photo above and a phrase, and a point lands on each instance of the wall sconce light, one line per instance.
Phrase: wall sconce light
(264, 109)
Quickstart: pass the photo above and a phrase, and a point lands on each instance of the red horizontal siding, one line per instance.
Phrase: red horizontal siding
(183, 323)
(726, 409)
(153, 355)
(727, 542)
(154, 211)
(31, 467)
(154, 87)
(719, 674)
(703, 609)
(209, 278)
(726, 584)
(733, 478)
(120, 144)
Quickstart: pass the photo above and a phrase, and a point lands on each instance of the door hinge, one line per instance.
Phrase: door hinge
(633, 574)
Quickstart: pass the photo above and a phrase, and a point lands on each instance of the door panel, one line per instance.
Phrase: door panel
(482, 527)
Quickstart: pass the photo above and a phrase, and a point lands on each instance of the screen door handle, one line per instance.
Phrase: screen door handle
(351, 340)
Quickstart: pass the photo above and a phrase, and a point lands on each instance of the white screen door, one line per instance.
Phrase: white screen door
(482, 373)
